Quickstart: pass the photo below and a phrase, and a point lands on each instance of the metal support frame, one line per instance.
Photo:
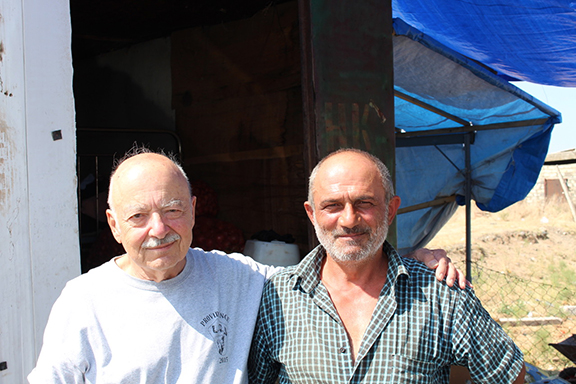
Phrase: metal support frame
(468, 198)
(466, 139)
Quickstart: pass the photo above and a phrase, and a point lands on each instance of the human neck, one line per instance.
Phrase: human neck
(134, 270)
(362, 272)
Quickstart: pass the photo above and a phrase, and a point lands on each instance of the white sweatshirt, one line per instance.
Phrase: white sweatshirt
(109, 327)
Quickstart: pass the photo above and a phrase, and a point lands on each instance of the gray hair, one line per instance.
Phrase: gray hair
(382, 170)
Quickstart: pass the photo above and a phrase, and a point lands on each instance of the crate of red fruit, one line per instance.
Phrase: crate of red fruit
(206, 199)
(211, 233)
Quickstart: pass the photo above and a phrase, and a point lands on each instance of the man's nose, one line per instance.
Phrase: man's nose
(349, 217)
(157, 226)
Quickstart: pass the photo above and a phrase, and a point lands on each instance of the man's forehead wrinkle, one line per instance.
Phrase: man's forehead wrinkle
(338, 185)
(344, 196)
(131, 173)
(144, 207)
(345, 173)
(135, 207)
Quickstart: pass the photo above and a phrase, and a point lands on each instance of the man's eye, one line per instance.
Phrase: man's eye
(173, 213)
(365, 204)
(136, 218)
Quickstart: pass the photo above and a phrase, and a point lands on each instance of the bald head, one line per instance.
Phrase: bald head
(144, 165)
(353, 159)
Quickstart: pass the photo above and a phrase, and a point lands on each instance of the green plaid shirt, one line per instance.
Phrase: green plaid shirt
(420, 327)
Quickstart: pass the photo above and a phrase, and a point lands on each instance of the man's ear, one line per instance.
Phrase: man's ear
(309, 211)
(114, 227)
(194, 204)
(194, 211)
(393, 206)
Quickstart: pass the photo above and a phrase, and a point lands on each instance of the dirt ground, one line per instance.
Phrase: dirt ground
(524, 239)
(524, 266)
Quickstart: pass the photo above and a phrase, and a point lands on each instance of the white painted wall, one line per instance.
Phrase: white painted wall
(39, 248)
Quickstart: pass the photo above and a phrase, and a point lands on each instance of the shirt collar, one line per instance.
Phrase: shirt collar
(396, 267)
(306, 275)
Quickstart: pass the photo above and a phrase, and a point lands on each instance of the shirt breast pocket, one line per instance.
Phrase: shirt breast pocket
(408, 370)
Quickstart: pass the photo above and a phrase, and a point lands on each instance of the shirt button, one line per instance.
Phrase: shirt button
(342, 350)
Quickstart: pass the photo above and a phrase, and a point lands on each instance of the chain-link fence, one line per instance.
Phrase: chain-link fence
(534, 313)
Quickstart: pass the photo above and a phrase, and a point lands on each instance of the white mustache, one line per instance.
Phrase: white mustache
(154, 242)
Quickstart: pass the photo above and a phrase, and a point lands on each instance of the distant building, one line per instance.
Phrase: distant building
(548, 184)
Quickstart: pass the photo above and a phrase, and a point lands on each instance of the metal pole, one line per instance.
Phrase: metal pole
(468, 195)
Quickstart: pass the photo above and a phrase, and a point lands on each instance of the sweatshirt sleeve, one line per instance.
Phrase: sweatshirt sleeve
(63, 356)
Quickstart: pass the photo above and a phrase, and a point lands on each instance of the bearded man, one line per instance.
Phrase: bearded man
(353, 311)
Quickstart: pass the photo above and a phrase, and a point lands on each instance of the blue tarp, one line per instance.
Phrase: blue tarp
(442, 93)
(530, 40)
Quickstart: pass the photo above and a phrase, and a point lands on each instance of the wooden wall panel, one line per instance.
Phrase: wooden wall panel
(237, 98)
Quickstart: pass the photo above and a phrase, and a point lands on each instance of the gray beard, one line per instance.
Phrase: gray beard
(340, 253)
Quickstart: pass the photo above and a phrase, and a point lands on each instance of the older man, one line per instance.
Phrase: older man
(353, 311)
(162, 312)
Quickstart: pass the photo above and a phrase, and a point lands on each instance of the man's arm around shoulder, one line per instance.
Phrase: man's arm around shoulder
(520, 378)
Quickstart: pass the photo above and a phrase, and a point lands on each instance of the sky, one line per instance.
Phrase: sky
(564, 101)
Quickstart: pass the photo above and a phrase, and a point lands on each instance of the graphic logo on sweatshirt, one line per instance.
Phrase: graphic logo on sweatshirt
(216, 324)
